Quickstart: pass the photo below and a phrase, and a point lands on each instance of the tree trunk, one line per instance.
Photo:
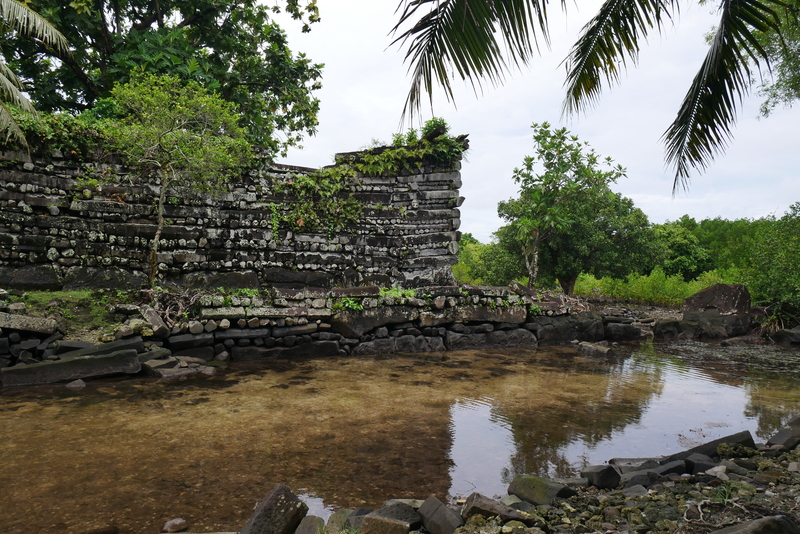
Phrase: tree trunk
(567, 283)
(154, 249)
(532, 261)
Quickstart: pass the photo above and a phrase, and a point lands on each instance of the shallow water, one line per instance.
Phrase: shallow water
(349, 432)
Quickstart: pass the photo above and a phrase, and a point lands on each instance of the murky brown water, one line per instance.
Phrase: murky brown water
(352, 432)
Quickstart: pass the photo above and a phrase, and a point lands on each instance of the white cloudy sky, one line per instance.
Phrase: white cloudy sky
(365, 85)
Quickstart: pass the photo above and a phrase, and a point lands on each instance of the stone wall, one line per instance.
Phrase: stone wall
(300, 323)
(58, 230)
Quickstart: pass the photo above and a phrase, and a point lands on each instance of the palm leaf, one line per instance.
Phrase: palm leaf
(606, 43)
(702, 127)
(26, 21)
(465, 36)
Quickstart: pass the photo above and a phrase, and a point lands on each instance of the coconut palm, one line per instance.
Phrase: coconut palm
(482, 39)
(19, 17)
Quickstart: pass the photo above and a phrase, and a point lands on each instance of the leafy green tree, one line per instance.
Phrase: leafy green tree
(773, 276)
(232, 47)
(607, 236)
(571, 175)
(184, 135)
(477, 40)
(23, 21)
(681, 253)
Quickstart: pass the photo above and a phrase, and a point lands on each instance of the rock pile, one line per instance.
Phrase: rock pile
(730, 482)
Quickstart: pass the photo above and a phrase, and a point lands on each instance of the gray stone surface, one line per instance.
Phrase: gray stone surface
(601, 476)
(122, 362)
(311, 524)
(437, 518)
(710, 449)
(27, 324)
(279, 513)
(538, 490)
(484, 506)
(356, 324)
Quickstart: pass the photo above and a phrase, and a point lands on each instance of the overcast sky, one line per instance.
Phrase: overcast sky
(365, 83)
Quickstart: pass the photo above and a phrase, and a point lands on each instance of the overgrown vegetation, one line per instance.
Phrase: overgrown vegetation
(320, 199)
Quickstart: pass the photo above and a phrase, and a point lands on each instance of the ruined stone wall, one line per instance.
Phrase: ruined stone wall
(58, 230)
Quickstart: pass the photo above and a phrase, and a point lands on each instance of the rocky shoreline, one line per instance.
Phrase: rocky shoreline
(731, 485)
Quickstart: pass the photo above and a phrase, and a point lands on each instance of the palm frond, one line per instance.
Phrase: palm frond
(472, 38)
(605, 45)
(11, 89)
(26, 21)
(702, 127)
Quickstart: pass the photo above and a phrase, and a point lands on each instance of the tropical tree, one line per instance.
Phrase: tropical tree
(476, 40)
(231, 47)
(680, 251)
(571, 177)
(182, 134)
(25, 22)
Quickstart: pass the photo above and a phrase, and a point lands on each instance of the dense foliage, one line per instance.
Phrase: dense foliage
(231, 47)
(567, 212)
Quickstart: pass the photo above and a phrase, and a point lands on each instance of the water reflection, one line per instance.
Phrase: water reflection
(349, 432)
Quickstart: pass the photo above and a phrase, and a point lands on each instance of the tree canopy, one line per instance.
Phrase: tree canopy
(26, 22)
(562, 179)
(231, 47)
(477, 40)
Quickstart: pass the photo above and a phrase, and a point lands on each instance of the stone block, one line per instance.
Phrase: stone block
(241, 333)
(27, 324)
(226, 312)
(190, 341)
(478, 504)
(337, 521)
(298, 330)
(437, 518)
(311, 524)
(358, 323)
(788, 437)
(601, 476)
(538, 490)
(279, 513)
(744, 438)
(134, 343)
(121, 362)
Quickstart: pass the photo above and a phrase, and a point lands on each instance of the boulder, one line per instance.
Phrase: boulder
(538, 490)
(560, 329)
(437, 518)
(789, 336)
(121, 362)
(725, 298)
(617, 331)
(279, 513)
(155, 321)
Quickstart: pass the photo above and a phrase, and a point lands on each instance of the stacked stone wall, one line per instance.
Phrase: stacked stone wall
(63, 225)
